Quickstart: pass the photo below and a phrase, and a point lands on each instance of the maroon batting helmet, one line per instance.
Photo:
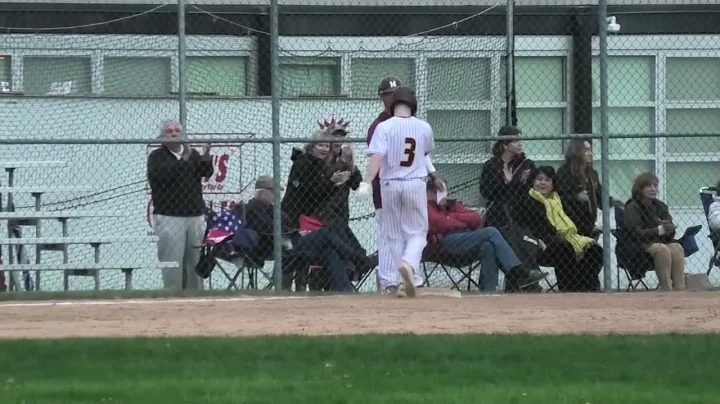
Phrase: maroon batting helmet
(406, 96)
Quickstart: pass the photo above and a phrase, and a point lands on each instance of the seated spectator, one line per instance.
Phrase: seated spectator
(714, 211)
(649, 224)
(579, 188)
(321, 245)
(458, 230)
(577, 259)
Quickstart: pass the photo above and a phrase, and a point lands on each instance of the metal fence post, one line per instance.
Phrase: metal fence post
(182, 71)
(275, 112)
(605, 147)
(510, 64)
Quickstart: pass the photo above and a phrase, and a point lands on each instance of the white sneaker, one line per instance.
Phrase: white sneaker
(406, 272)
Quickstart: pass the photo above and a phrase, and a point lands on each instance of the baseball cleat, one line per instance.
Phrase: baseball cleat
(406, 272)
(390, 290)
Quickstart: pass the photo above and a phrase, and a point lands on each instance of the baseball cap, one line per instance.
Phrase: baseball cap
(265, 182)
(388, 84)
(509, 131)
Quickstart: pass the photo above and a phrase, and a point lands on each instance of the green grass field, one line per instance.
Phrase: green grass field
(368, 369)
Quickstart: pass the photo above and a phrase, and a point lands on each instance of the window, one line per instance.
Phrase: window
(692, 79)
(631, 94)
(223, 76)
(539, 79)
(5, 74)
(684, 180)
(623, 174)
(136, 76)
(367, 73)
(460, 124)
(693, 121)
(309, 76)
(463, 182)
(541, 122)
(552, 163)
(459, 79)
(627, 121)
(631, 79)
(49, 75)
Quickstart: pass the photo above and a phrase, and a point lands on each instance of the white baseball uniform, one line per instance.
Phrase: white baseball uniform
(404, 143)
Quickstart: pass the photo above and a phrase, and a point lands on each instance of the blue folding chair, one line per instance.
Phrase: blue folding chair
(706, 197)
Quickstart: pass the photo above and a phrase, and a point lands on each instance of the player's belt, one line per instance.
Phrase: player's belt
(405, 179)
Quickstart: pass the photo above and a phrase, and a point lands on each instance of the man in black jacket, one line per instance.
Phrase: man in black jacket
(175, 172)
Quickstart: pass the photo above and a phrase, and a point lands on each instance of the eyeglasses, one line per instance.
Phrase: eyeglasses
(173, 130)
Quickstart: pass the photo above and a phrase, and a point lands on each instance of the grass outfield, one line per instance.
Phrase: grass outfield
(368, 369)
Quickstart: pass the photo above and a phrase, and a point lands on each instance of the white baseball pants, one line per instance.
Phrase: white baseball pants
(403, 224)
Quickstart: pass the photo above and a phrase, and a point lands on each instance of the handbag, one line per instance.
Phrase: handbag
(206, 263)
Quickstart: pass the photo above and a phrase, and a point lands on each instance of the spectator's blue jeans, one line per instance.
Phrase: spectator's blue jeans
(325, 245)
(487, 245)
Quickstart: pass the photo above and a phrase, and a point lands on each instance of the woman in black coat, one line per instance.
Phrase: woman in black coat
(335, 214)
(577, 259)
(308, 190)
(504, 177)
(309, 186)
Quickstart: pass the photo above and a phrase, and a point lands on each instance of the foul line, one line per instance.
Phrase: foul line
(160, 300)
(153, 301)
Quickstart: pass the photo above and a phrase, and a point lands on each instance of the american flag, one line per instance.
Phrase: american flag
(226, 225)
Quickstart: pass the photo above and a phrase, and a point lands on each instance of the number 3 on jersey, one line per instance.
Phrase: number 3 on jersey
(409, 155)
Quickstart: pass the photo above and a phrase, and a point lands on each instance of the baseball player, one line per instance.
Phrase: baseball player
(385, 90)
(398, 150)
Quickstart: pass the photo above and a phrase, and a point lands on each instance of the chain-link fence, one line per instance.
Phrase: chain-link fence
(98, 201)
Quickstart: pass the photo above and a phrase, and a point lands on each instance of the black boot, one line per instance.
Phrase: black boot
(519, 278)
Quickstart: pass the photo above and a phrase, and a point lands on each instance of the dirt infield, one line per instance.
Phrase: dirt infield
(631, 313)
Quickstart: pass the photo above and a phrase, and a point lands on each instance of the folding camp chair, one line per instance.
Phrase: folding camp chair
(223, 248)
(627, 255)
(706, 197)
(465, 265)
(357, 277)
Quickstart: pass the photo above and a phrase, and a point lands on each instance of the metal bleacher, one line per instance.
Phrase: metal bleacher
(34, 218)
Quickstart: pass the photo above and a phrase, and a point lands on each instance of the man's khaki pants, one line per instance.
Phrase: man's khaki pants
(178, 237)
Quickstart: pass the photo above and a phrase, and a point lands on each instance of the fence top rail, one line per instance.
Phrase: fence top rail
(236, 140)
(372, 3)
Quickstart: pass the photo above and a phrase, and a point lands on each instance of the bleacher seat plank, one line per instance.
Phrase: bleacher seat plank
(32, 164)
(77, 240)
(86, 266)
(66, 214)
(44, 189)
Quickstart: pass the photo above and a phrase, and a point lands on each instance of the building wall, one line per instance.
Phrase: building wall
(123, 85)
